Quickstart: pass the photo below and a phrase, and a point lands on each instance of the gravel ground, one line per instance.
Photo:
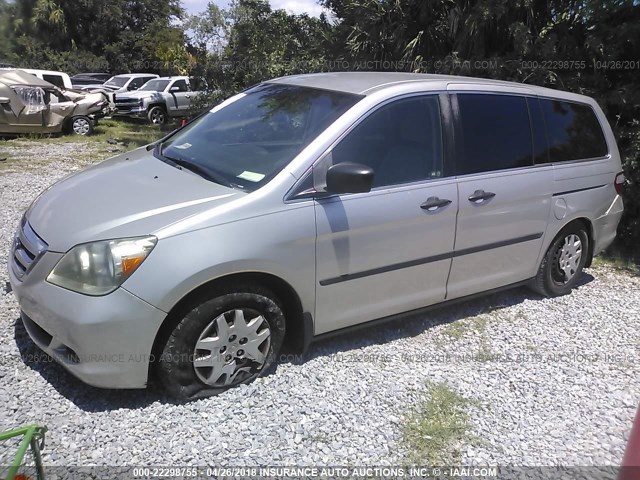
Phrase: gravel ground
(552, 381)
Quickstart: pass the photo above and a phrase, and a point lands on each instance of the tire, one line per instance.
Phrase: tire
(562, 265)
(157, 115)
(82, 125)
(198, 362)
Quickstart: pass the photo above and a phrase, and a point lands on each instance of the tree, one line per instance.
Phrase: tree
(123, 35)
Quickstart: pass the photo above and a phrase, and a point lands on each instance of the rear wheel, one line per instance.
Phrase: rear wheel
(223, 342)
(563, 263)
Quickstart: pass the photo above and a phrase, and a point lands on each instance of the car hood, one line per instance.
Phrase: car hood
(139, 95)
(130, 195)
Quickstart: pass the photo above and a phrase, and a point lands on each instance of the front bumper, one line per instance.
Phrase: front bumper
(135, 112)
(104, 341)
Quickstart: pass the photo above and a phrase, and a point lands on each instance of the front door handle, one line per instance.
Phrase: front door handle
(480, 196)
(434, 203)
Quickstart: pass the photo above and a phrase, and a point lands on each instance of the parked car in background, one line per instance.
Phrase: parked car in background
(29, 104)
(59, 79)
(121, 83)
(83, 79)
(157, 100)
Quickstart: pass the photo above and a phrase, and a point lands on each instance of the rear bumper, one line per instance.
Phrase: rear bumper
(605, 227)
(104, 341)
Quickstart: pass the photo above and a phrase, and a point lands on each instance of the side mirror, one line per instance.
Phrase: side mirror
(4, 101)
(174, 89)
(349, 177)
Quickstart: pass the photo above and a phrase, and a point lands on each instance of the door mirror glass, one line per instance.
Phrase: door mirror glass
(174, 89)
(349, 177)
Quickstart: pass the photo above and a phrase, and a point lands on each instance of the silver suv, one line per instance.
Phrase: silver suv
(304, 206)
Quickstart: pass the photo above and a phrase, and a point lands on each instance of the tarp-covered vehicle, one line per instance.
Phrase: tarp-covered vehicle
(31, 105)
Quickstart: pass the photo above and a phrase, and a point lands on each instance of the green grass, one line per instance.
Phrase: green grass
(458, 329)
(619, 264)
(128, 133)
(435, 431)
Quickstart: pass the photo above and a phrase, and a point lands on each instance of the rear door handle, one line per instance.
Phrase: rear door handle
(434, 203)
(480, 196)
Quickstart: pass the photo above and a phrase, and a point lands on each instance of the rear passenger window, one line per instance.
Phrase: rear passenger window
(573, 131)
(495, 133)
(401, 141)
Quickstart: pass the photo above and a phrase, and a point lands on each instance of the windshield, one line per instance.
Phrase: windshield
(155, 85)
(117, 81)
(247, 140)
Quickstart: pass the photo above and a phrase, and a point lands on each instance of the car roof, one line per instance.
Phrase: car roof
(43, 72)
(20, 77)
(176, 77)
(136, 75)
(366, 83)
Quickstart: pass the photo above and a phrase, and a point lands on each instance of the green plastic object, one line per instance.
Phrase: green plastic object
(27, 462)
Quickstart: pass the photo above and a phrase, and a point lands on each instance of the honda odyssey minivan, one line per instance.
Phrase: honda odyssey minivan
(304, 206)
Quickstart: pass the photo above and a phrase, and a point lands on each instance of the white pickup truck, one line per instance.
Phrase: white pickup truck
(157, 100)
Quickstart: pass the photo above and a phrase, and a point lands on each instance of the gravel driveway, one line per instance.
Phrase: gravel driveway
(550, 381)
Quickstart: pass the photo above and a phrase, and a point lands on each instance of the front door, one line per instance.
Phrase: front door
(180, 97)
(25, 111)
(389, 250)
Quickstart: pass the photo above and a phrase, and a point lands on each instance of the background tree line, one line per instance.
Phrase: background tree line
(584, 46)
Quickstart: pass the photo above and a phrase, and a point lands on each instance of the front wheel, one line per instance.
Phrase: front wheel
(563, 263)
(82, 125)
(157, 116)
(223, 342)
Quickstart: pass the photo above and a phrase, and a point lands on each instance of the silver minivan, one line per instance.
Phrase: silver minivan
(302, 207)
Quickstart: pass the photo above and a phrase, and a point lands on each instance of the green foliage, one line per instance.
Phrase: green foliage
(90, 35)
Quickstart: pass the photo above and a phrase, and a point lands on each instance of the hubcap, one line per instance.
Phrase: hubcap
(81, 126)
(157, 117)
(567, 258)
(232, 348)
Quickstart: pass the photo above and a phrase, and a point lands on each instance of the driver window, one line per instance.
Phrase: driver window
(181, 84)
(401, 141)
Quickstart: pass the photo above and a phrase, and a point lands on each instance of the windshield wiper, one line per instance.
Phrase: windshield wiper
(204, 172)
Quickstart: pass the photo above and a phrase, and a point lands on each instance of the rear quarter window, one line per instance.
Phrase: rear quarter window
(573, 131)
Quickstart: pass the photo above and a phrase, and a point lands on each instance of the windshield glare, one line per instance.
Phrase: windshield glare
(251, 139)
(155, 85)
(117, 81)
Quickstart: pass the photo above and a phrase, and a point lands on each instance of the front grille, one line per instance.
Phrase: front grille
(122, 102)
(28, 247)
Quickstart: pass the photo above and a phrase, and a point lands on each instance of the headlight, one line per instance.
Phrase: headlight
(99, 268)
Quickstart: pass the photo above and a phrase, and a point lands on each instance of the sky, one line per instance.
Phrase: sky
(310, 7)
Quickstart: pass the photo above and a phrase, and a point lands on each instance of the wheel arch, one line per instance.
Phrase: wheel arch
(157, 104)
(586, 222)
(295, 335)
